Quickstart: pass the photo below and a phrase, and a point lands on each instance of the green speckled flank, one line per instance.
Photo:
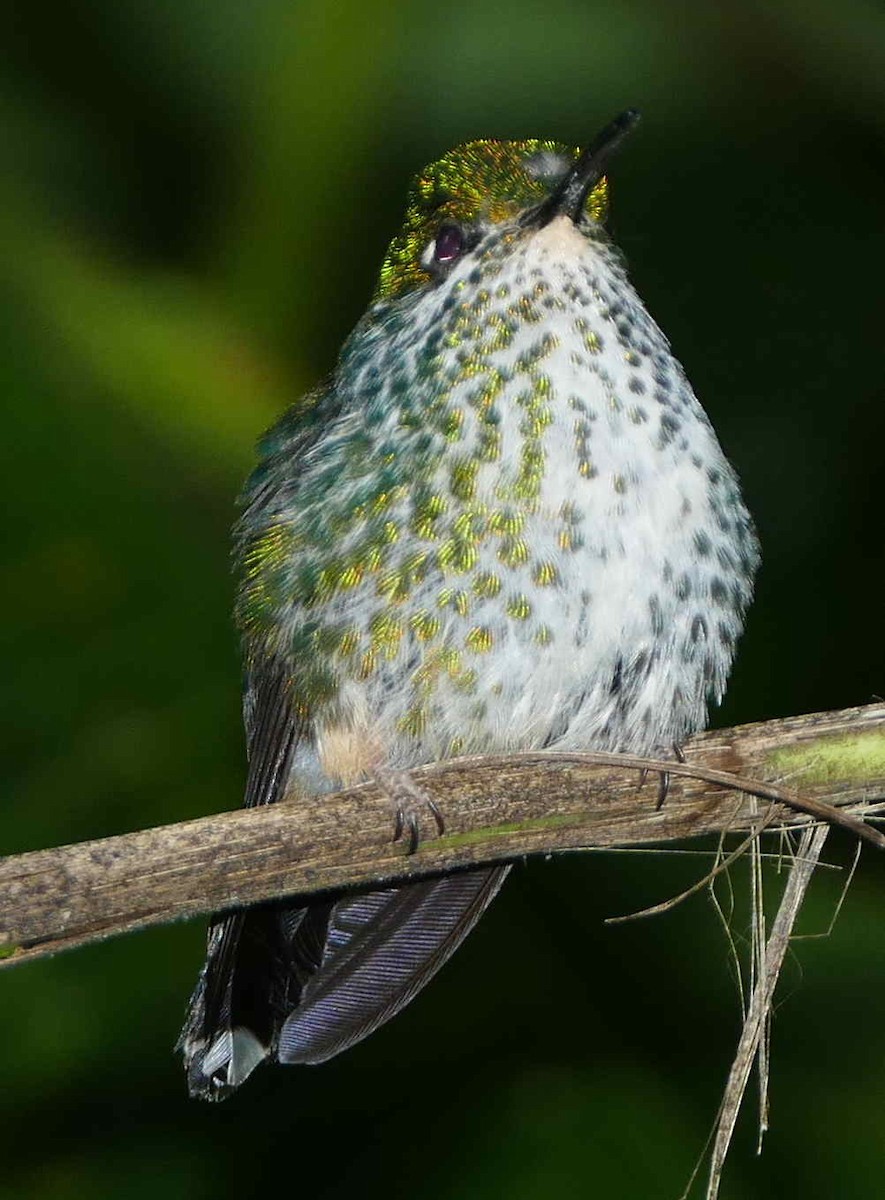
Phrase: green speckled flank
(283, 569)
(288, 566)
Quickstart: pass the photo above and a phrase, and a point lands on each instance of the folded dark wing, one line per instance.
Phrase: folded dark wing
(381, 948)
(246, 982)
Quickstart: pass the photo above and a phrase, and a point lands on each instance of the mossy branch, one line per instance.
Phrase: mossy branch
(829, 766)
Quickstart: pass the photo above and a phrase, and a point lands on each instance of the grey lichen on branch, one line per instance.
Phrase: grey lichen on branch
(826, 766)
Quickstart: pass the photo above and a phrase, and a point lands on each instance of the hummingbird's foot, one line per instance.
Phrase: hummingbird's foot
(408, 801)
(663, 790)
(664, 785)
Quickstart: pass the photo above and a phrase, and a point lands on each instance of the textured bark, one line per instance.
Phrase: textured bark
(495, 809)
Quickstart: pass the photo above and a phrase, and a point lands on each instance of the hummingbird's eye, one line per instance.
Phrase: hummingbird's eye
(449, 245)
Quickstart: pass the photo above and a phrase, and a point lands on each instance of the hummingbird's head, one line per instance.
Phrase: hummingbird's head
(477, 188)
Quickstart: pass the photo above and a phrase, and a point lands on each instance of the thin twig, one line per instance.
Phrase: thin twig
(705, 881)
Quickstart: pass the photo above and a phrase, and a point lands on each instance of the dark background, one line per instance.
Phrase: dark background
(194, 199)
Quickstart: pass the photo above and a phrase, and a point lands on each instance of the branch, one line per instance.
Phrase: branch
(495, 809)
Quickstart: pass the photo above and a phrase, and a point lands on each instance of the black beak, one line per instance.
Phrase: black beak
(588, 168)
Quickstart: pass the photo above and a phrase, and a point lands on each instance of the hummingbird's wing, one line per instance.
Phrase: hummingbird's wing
(380, 949)
(244, 984)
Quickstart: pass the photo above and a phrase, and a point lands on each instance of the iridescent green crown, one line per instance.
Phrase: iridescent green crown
(480, 181)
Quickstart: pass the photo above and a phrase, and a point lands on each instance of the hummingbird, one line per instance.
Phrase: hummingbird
(504, 523)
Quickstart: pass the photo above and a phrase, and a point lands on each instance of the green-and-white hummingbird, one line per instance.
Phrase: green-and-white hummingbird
(504, 523)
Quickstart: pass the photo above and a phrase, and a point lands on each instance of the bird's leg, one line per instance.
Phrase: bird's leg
(350, 752)
(664, 785)
(663, 790)
(408, 800)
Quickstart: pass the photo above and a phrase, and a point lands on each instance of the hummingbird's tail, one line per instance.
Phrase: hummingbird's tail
(301, 985)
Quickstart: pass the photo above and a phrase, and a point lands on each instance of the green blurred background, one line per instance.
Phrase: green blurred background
(194, 198)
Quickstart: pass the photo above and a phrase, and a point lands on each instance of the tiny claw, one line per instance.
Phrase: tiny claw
(664, 785)
(436, 814)
(408, 799)
(643, 776)
(402, 821)
(414, 833)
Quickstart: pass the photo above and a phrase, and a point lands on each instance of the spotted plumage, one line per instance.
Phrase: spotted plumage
(505, 523)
